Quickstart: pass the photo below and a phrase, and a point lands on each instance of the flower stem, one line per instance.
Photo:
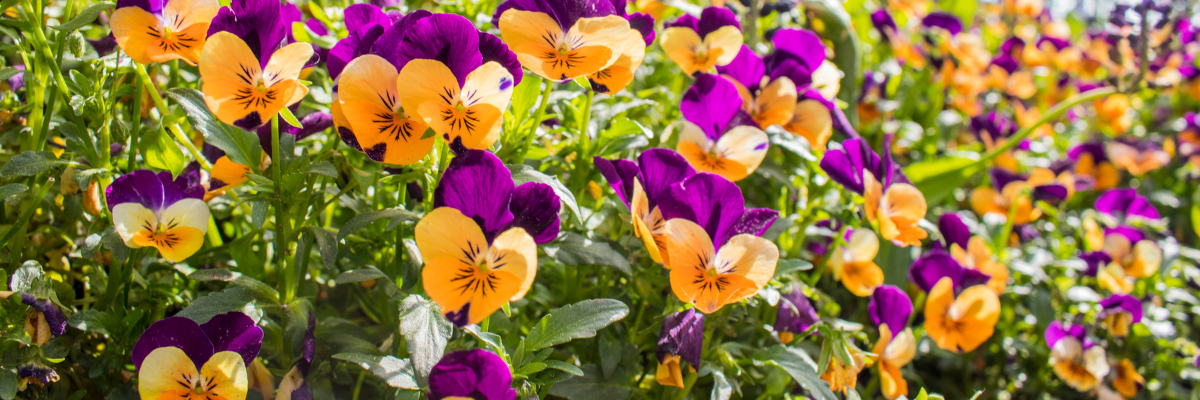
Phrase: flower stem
(688, 382)
(28, 213)
(135, 129)
(281, 223)
(162, 110)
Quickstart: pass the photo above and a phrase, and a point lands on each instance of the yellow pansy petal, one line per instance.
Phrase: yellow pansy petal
(184, 14)
(777, 103)
(863, 245)
(231, 77)
(515, 252)
(749, 256)
(135, 29)
(184, 45)
(167, 373)
(649, 225)
(741, 149)
(669, 373)
(485, 96)
(531, 35)
(688, 243)
(812, 121)
(445, 233)
(595, 43)
(226, 173)
(617, 76)
(430, 89)
(225, 376)
(723, 44)
(186, 213)
(175, 245)
(285, 64)
(131, 218)
(679, 44)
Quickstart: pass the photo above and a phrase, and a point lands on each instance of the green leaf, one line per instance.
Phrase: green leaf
(85, 17)
(26, 276)
(261, 290)
(837, 28)
(525, 96)
(522, 173)
(258, 212)
(592, 386)
(492, 340)
(323, 168)
(242, 251)
(563, 366)
(789, 265)
(360, 275)
(576, 321)
(722, 389)
(802, 369)
(425, 333)
(30, 163)
(289, 118)
(363, 220)
(327, 243)
(234, 298)
(12, 190)
(938, 177)
(93, 321)
(574, 249)
(241, 146)
(161, 151)
(113, 242)
(397, 373)
(9, 72)
(1195, 217)
(8, 384)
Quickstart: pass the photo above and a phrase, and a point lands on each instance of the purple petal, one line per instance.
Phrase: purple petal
(364, 15)
(709, 200)
(713, 18)
(890, 306)
(711, 103)
(234, 331)
(317, 27)
(883, 22)
(660, 170)
(682, 334)
(174, 332)
(795, 313)
(801, 45)
(152, 6)
(54, 316)
(471, 373)
(1130, 233)
(643, 23)
(316, 122)
(754, 221)
(1126, 201)
(847, 165)
(534, 207)
(38, 372)
(154, 191)
(308, 349)
(1096, 150)
(1012, 47)
(1001, 177)
(1123, 303)
(356, 44)
(1056, 332)
(1095, 260)
(747, 69)
(259, 23)
(620, 174)
(684, 21)
(954, 230)
(1058, 43)
(448, 38)
(935, 265)
(943, 20)
(1007, 62)
(491, 48)
(564, 12)
(389, 44)
(479, 185)
(104, 46)
(1051, 193)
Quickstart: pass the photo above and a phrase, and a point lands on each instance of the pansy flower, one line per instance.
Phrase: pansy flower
(1126, 380)
(701, 44)
(814, 119)
(960, 311)
(249, 76)
(795, 315)
(480, 241)
(891, 202)
(1112, 113)
(1119, 312)
(1076, 360)
(718, 136)
(1138, 157)
(154, 210)
(768, 104)
(151, 31)
(1012, 196)
(1125, 205)
(978, 256)
(1132, 251)
(717, 257)
(473, 374)
(562, 40)
(680, 339)
(1093, 168)
(616, 77)
(44, 321)
(34, 373)
(890, 308)
(854, 263)
(842, 375)
(183, 359)
(641, 186)
(798, 54)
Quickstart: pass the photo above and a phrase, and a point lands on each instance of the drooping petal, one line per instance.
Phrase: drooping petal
(236, 332)
(954, 230)
(890, 307)
(535, 207)
(479, 185)
(682, 334)
(795, 313)
(620, 174)
(174, 332)
(649, 225)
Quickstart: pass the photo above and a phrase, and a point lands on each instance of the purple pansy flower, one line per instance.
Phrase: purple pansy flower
(795, 315)
(681, 338)
(477, 374)
(1056, 332)
(207, 359)
(154, 210)
(848, 164)
(479, 185)
(1127, 204)
(890, 306)
(1118, 312)
(43, 311)
(1095, 260)
(717, 206)
(943, 20)
(954, 230)
(935, 265)
(989, 128)
(719, 136)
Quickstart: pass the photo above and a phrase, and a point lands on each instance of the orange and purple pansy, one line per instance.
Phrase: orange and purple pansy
(795, 315)
(681, 338)
(1076, 360)
(718, 136)
(972, 252)
(176, 358)
(480, 241)
(891, 202)
(1129, 249)
(1092, 167)
(960, 311)
(616, 77)
(152, 31)
(471, 374)
(1119, 312)
(1014, 195)
(717, 256)
(249, 73)
(890, 309)
(562, 40)
(854, 264)
(640, 186)
(701, 44)
(153, 210)
(1138, 157)
(768, 103)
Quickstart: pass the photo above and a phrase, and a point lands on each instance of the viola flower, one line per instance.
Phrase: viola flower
(890, 308)
(563, 40)
(151, 31)
(798, 55)
(854, 263)
(717, 257)
(1139, 157)
(185, 359)
(795, 315)
(700, 44)
(932, 266)
(1119, 312)
(1076, 360)
(963, 322)
(680, 339)
(45, 320)
(641, 186)
(36, 374)
(1129, 249)
(457, 79)
(1127, 380)
(1092, 166)
(616, 77)
(1014, 192)
(891, 202)
(954, 231)
(477, 374)
(480, 241)
(1126, 205)
(1112, 113)
(153, 210)
(843, 376)
(248, 77)
(813, 119)
(768, 104)
(978, 256)
(718, 136)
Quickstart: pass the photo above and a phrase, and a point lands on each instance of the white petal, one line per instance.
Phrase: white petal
(187, 212)
(128, 218)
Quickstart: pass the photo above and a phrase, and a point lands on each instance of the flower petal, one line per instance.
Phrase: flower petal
(514, 252)
(171, 332)
(478, 185)
(535, 207)
(170, 374)
(708, 200)
(225, 376)
(384, 131)
(234, 331)
(749, 256)
(131, 218)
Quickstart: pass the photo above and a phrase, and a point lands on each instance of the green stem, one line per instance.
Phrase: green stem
(358, 385)
(281, 222)
(1051, 115)
(28, 212)
(135, 129)
(688, 382)
(162, 110)
(548, 86)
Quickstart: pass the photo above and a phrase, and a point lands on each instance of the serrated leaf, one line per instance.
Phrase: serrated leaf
(261, 290)
(30, 163)
(234, 298)
(360, 275)
(86, 16)
(425, 333)
(576, 321)
(323, 168)
(241, 146)
(12, 190)
(492, 340)
(327, 243)
(573, 249)
(563, 366)
(397, 373)
(522, 173)
(363, 220)
(801, 368)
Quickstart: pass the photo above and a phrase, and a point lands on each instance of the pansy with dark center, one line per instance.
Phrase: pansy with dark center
(718, 136)
(471, 374)
(562, 40)
(890, 308)
(249, 76)
(480, 241)
(681, 338)
(152, 31)
(717, 256)
(154, 210)
(176, 358)
(641, 185)
(615, 77)
(1076, 360)
(700, 44)
(768, 104)
(890, 201)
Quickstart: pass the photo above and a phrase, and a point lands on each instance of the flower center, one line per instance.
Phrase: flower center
(167, 34)
(460, 107)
